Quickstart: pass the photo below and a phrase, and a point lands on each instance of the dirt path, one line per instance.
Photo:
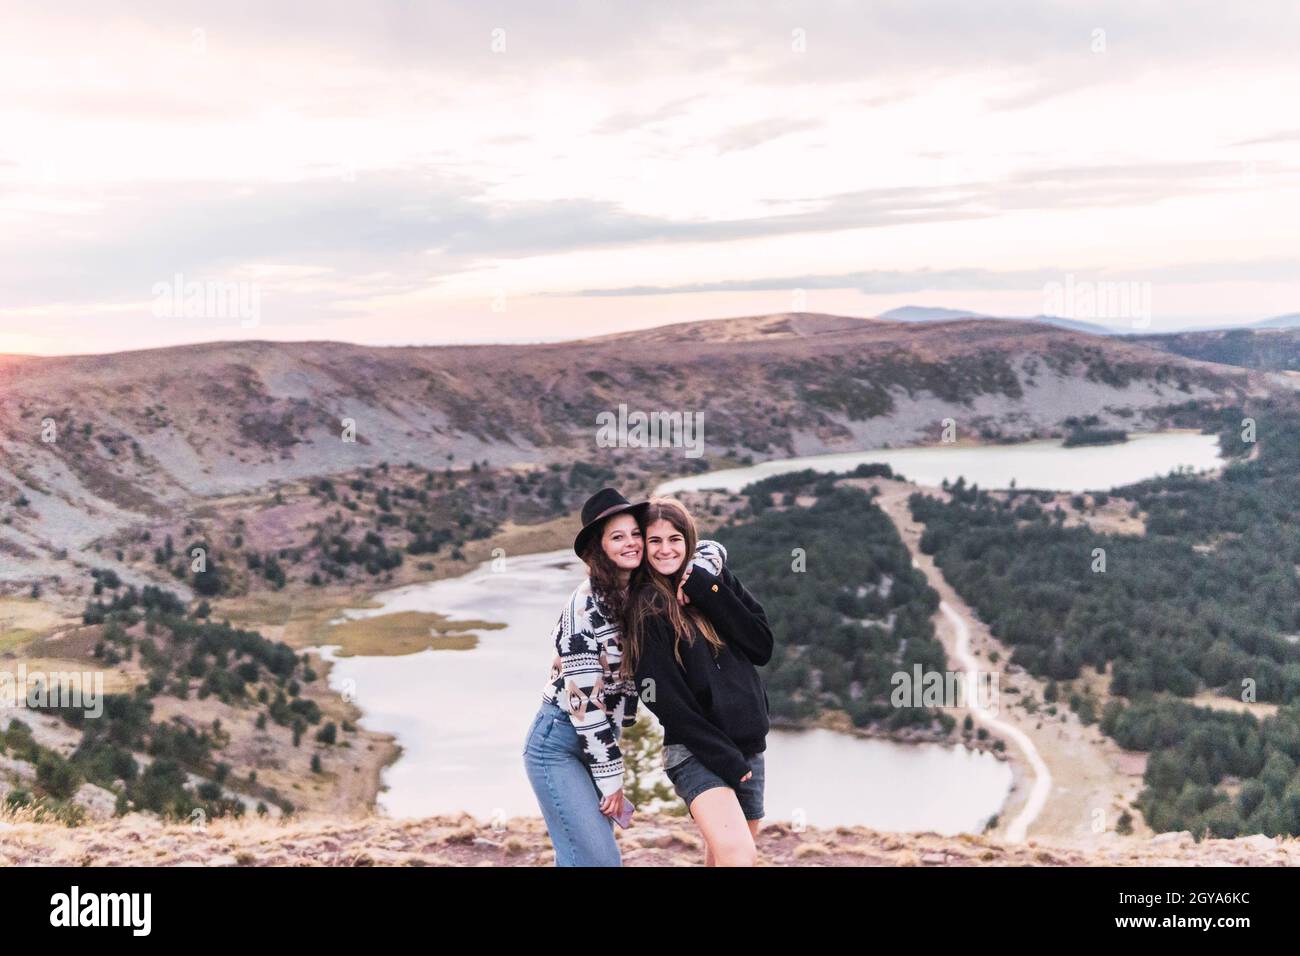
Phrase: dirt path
(1017, 828)
(1069, 781)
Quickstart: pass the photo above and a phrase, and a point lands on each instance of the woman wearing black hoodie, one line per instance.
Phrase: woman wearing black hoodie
(694, 638)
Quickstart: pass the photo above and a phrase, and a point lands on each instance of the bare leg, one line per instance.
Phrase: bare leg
(726, 831)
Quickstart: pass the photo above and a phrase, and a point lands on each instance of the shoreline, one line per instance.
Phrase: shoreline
(838, 722)
(1023, 778)
(834, 721)
(391, 749)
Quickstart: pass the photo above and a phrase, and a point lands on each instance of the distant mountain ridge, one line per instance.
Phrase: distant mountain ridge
(1289, 321)
(923, 313)
(918, 313)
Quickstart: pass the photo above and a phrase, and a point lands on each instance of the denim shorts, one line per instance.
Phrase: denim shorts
(690, 778)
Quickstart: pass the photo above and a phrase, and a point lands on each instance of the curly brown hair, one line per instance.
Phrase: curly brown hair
(604, 574)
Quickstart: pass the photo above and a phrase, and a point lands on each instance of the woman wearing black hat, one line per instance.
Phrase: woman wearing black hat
(571, 753)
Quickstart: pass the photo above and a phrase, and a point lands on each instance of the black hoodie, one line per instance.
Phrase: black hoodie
(715, 707)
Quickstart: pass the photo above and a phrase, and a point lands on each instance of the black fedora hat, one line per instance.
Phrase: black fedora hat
(604, 504)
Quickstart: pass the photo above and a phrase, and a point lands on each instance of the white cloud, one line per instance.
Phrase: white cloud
(382, 172)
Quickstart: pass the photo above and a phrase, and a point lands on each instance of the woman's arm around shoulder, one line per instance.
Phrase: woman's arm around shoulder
(739, 619)
(710, 555)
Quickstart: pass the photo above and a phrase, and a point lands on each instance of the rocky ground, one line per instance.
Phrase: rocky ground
(137, 840)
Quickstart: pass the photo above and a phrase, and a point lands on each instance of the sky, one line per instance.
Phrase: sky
(418, 173)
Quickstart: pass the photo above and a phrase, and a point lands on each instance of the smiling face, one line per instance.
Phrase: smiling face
(621, 541)
(665, 547)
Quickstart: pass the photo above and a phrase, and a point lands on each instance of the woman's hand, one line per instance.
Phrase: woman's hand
(612, 805)
(681, 594)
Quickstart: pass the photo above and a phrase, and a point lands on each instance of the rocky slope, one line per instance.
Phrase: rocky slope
(90, 445)
(138, 840)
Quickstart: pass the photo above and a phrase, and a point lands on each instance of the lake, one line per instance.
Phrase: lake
(461, 716)
(1037, 464)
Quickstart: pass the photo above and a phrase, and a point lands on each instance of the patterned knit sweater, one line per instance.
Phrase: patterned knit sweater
(584, 678)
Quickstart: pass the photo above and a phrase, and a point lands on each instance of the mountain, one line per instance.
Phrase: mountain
(917, 313)
(921, 313)
(1268, 350)
(1289, 321)
(1076, 325)
(97, 444)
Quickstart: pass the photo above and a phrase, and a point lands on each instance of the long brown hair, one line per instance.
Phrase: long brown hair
(604, 575)
(654, 596)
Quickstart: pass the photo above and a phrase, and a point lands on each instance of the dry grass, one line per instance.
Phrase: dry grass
(25, 619)
(116, 680)
(1208, 698)
(299, 617)
(307, 621)
(406, 632)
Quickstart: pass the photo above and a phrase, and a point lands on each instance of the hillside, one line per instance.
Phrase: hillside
(1261, 347)
(137, 840)
(916, 313)
(94, 445)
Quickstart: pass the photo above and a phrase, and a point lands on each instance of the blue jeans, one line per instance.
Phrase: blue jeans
(566, 792)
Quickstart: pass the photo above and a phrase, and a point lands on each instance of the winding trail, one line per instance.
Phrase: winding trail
(893, 501)
(1071, 782)
(1019, 827)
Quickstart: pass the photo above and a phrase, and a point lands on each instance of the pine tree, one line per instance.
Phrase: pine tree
(643, 784)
